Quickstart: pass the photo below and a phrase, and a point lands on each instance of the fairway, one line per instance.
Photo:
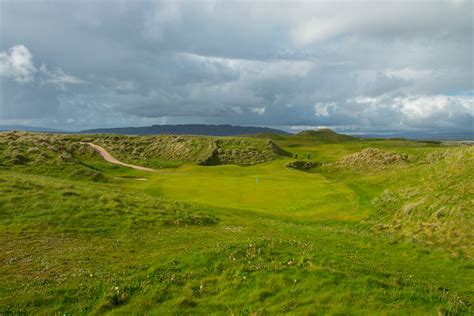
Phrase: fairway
(268, 187)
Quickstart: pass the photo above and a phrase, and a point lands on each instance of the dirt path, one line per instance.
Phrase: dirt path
(108, 157)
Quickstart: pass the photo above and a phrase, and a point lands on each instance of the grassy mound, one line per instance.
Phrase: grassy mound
(49, 153)
(196, 149)
(438, 208)
(90, 207)
(156, 151)
(325, 135)
(38, 151)
(371, 158)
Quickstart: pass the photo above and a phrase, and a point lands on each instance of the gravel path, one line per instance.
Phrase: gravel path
(108, 157)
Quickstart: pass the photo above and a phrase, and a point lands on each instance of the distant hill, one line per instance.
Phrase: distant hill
(187, 129)
(424, 135)
(325, 134)
(29, 129)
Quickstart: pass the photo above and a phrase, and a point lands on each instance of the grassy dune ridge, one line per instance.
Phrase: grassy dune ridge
(81, 236)
(203, 150)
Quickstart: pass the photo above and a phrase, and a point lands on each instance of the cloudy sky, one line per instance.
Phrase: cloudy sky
(351, 65)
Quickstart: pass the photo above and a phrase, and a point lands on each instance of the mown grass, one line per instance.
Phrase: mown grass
(268, 187)
(291, 242)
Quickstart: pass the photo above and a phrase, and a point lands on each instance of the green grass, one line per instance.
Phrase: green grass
(212, 240)
(268, 187)
(172, 150)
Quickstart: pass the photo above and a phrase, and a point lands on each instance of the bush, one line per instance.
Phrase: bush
(17, 158)
(302, 165)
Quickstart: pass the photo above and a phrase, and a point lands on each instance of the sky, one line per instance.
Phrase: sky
(355, 66)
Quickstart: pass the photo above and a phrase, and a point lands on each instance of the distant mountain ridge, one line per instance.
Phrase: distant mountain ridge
(187, 129)
(260, 132)
(440, 136)
(29, 129)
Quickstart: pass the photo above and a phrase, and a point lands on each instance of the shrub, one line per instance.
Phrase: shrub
(302, 165)
(17, 158)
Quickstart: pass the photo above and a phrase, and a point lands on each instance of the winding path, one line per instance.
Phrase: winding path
(108, 157)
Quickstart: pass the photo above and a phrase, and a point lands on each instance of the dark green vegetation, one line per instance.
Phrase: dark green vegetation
(379, 227)
(302, 164)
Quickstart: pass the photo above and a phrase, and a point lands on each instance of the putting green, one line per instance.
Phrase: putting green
(268, 187)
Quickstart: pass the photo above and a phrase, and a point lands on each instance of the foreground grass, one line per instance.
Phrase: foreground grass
(293, 242)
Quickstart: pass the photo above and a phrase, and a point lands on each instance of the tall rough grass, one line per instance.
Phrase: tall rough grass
(438, 208)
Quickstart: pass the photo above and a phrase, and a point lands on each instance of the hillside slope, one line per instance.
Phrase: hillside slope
(29, 149)
(432, 202)
(196, 149)
(325, 134)
(426, 197)
(49, 154)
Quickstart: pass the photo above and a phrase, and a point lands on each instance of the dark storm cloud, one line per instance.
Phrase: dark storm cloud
(362, 65)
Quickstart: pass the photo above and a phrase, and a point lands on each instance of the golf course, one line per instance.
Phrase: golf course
(307, 224)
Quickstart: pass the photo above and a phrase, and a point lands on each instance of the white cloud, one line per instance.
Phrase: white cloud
(424, 107)
(373, 64)
(409, 73)
(258, 110)
(316, 29)
(365, 100)
(436, 111)
(321, 21)
(299, 128)
(58, 77)
(324, 109)
(254, 68)
(17, 64)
